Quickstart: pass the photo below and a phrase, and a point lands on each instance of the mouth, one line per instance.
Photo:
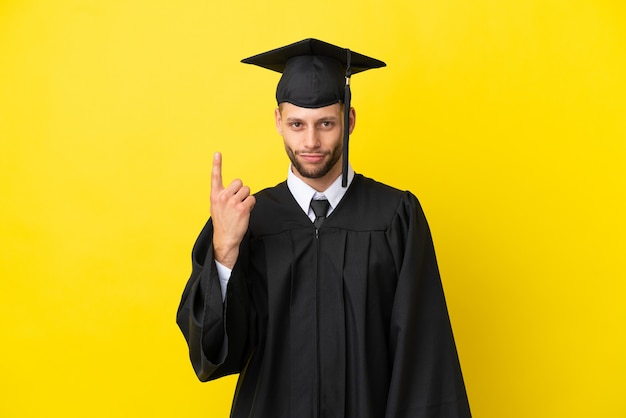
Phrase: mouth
(312, 157)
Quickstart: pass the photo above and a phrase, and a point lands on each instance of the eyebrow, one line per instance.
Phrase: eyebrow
(330, 118)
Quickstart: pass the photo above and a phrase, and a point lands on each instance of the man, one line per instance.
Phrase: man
(323, 292)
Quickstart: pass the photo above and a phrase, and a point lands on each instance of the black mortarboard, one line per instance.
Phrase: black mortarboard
(316, 74)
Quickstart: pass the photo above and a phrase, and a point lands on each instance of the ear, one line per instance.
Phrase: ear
(352, 117)
(278, 120)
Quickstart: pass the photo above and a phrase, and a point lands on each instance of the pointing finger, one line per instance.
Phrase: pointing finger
(216, 173)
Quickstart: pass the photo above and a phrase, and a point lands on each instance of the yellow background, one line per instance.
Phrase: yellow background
(506, 117)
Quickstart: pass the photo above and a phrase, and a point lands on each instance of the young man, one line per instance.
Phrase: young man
(323, 292)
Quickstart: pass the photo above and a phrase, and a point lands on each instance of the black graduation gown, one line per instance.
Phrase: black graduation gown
(347, 321)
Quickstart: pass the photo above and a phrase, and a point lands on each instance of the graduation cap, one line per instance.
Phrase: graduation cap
(316, 74)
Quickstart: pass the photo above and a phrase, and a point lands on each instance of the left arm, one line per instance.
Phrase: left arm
(426, 376)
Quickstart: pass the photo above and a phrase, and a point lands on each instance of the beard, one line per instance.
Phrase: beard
(316, 173)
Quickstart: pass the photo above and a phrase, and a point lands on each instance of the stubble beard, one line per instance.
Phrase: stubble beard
(335, 155)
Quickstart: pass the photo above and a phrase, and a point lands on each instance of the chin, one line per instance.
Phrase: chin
(312, 174)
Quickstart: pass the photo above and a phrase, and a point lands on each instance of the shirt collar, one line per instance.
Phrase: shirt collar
(303, 193)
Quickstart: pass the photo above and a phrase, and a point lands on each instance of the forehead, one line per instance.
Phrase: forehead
(289, 110)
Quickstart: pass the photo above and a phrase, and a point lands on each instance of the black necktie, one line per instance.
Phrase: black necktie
(320, 208)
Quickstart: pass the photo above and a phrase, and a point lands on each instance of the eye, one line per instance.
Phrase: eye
(295, 125)
(327, 124)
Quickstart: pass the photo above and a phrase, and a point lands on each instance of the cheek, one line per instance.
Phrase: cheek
(292, 136)
(288, 139)
(333, 137)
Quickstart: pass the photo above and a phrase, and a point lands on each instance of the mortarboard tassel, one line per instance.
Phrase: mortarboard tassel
(346, 122)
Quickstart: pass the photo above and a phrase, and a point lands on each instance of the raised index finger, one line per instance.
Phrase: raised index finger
(216, 173)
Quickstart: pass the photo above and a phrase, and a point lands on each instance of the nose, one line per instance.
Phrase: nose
(311, 138)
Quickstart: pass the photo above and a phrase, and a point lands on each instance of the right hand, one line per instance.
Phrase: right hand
(230, 213)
